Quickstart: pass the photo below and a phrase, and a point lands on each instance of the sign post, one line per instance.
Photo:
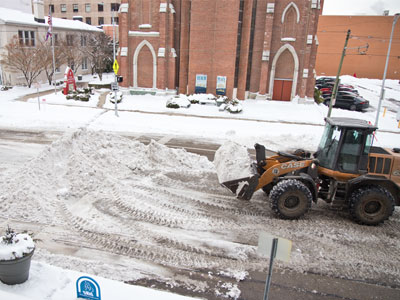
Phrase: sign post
(37, 86)
(275, 247)
(271, 263)
(115, 68)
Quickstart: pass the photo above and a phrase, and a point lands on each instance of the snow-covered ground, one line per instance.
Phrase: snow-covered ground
(109, 206)
(50, 282)
(268, 122)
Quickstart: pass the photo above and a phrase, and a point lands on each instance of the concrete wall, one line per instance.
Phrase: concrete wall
(372, 30)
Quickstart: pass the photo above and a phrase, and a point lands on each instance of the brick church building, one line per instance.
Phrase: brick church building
(264, 49)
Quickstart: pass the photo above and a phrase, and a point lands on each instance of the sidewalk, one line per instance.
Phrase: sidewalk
(287, 125)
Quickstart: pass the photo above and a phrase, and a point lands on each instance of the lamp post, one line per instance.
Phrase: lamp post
(395, 18)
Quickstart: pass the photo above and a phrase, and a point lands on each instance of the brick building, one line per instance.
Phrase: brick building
(258, 48)
(373, 31)
(96, 13)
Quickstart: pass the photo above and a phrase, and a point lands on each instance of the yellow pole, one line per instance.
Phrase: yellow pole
(384, 112)
(398, 126)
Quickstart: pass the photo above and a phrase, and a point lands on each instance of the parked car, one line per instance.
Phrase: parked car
(328, 92)
(348, 100)
(323, 80)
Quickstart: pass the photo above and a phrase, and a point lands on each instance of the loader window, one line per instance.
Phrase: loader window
(328, 146)
(350, 152)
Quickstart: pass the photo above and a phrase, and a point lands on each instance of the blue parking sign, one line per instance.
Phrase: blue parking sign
(87, 288)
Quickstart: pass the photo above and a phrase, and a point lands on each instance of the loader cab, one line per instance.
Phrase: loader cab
(345, 145)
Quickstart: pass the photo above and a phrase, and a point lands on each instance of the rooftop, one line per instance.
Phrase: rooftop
(11, 16)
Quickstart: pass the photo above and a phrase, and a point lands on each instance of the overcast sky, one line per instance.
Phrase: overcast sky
(360, 7)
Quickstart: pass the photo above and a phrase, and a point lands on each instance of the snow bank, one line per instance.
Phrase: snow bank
(84, 162)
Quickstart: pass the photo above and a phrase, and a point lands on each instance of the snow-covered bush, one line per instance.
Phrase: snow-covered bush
(233, 106)
(178, 101)
(221, 100)
(79, 94)
(111, 96)
(84, 97)
(318, 96)
(15, 245)
(202, 99)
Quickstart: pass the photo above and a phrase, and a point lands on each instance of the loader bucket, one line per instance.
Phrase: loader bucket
(235, 169)
(243, 187)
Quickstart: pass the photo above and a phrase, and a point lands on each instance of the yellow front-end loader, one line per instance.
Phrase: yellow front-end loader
(346, 171)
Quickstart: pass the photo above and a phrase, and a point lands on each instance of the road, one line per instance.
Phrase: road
(17, 147)
(235, 219)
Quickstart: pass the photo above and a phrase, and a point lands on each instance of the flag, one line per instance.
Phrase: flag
(50, 22)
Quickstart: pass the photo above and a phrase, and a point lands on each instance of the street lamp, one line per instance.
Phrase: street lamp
(395, 18)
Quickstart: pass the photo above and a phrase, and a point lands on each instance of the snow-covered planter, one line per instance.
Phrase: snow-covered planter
(112, 97)
(177, 102)
(16, 250)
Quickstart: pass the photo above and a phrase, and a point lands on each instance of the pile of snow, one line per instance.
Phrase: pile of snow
(232, 161)
(82, 162)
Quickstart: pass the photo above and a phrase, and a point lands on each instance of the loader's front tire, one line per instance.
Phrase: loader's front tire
(371, 205)
(290, 199)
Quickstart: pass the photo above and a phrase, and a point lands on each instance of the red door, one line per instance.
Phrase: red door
(282, 90)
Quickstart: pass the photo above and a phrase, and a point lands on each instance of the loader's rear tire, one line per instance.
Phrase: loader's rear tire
(290, 199)
(371, 205)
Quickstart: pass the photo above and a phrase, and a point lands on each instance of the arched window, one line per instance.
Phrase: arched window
(290, 19)
(289, 25)
(145, 69)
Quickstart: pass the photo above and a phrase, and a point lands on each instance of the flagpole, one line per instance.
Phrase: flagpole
(52, 48)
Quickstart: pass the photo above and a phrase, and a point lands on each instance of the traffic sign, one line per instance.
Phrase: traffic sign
(283, 250)
(114, 86)
(115, 67)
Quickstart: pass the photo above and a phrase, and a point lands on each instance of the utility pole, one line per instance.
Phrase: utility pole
(50, 22)
(395, 18)
(333, 97)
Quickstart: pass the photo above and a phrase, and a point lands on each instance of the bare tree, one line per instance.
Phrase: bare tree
(71, 49)
(47, 58)
(100, 51)
(23, 58)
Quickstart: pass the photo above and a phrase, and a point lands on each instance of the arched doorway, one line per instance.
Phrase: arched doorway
(145, 66)
(284, 73)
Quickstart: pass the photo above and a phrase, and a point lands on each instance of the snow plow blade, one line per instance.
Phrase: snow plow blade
(243, 187)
